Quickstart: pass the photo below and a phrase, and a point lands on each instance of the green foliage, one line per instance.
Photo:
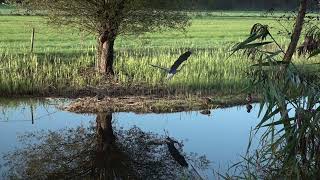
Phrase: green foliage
(290, 117)
(118, 16)
(243, 4)
(205, 71)
(311, 44)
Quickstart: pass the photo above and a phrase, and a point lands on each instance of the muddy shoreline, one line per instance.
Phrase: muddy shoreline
(138, 99)
(152, 104)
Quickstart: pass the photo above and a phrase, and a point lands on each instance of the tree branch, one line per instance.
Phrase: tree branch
(296, 32)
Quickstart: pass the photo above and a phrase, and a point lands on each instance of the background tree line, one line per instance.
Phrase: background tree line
(241, 4)
(249, 4)
(245, 4)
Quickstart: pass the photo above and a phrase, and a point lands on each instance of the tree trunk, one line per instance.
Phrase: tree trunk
(289, 53)
(110, 162)
(296, 31)
(105, 59)
(104, 128)
(104, 140)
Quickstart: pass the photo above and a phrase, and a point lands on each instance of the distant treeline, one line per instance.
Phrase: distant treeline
(241, 4)
(248, 4)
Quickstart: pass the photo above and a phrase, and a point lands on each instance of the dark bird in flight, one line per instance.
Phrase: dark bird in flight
(174, 68)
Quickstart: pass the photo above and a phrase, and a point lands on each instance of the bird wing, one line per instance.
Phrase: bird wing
(181, 67)
(180, 60)
(162, 68)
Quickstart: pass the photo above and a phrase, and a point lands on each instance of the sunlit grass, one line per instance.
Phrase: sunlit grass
(206, 70)
(31, 74)
(63, 55)
(203, 33)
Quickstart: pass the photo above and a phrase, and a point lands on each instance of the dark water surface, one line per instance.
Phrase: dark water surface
(221, 137)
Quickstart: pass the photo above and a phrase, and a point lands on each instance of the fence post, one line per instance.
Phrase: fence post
(32, 40)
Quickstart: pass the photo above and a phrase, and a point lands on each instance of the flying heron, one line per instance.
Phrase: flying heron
(174, 68)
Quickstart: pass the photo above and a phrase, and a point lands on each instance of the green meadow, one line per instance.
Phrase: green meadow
(63, 56)
(204, 32)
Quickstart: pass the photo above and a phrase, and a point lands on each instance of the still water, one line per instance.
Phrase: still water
(221, 137)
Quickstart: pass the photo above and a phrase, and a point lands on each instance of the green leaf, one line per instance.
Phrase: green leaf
(278, 122)
(250, 39)
(261, 108)
(314, 53)
(272, 55)
(275, 63)
(254, 45)
(267, 116)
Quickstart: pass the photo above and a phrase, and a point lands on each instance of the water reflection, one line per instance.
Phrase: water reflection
(249, 103)
(100, 151)
(222, 136)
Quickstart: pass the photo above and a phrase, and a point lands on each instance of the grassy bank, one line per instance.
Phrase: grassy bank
(63, 58)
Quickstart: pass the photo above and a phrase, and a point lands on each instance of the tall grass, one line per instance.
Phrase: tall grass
(31, 74)
(63, 57)
(207, 70)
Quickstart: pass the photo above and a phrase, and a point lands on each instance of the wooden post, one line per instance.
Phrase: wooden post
(32, 40)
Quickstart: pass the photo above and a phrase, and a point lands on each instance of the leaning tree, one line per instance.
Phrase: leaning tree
(109, 18)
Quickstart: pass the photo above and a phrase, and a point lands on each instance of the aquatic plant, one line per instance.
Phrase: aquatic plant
(289, 110)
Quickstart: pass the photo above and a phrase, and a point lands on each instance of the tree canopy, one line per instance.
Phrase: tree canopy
(125, 16)
(110, 18)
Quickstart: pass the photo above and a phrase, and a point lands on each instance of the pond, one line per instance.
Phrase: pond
(221, 137)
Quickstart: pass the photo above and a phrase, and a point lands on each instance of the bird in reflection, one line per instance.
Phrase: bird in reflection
(178, 157)
(249, 108)
(175, 152)
(174, 68)
(206, 112)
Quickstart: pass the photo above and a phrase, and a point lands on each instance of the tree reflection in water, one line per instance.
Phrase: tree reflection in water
(97, 152)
